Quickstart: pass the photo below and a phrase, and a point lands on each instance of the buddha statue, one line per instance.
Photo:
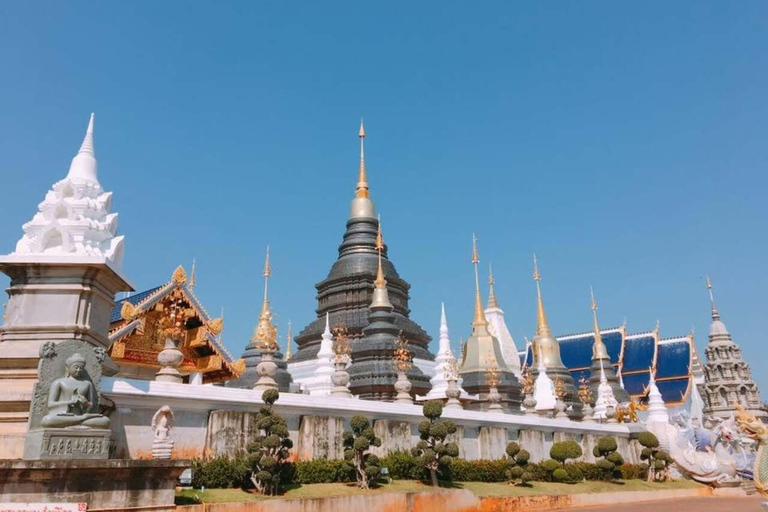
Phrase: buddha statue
(71, 398)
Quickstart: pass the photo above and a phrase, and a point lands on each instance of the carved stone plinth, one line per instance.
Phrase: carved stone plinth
(530, 405)
(494, 400)
(162, 450)
(403, 388)
(170, 359)
(340, 379)
(453, 393)
(588, 414)
(267, 369)
(560, 408)
(68, 444)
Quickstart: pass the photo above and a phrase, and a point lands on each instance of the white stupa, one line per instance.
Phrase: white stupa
(657, 410)
(605, 398)
(443, 360)
(498, 328)
(544, 389)
(73, 223)
(321, 383)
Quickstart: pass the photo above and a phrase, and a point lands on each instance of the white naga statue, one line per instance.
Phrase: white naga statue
(72, 398)
(162, 423)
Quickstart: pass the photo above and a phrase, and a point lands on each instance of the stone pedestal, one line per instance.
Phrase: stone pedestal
(340, 380)
(403, 388)
(102, 484)
(170, 358)
(48, 302)
(68, 444)
(494, 400)
(266, 369)
(453, 393)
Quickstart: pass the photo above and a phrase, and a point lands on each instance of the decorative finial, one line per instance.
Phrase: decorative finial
(267, 272)
(84, 167)
(715, 312)
(380, 292)
(192, 278)
(87, 145)
(362, 179)
(599, 351)
(492, 302)
(479, 313)
(542, 326)
(289, 342)
(179, 275)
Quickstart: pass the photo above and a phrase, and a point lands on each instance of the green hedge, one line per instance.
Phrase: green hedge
(224, 472)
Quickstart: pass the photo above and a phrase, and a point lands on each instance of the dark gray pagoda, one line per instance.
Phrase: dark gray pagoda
(346, 294)
(601, 359)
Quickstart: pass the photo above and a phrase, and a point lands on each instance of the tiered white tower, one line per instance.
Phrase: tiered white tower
(321, 383)
(657, 410)
(544, 389)
(442, 361)
(605, 398)
(498, 328)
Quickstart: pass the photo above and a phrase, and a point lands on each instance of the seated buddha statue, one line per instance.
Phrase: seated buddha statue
(71, 397)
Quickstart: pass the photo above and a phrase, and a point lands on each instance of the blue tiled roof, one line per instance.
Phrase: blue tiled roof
(613, 341)
(133, 299)
(673, 360)
(578, 374)
(577, 352)
(636, 383)
(673, 390)
(638, 353)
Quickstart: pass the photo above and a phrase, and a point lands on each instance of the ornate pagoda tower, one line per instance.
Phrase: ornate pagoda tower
(498, 328)
(347, 292)
(728, 379)
(601, 362)
(482, 352)
(265, 334)
(372, 372)
(546, 346)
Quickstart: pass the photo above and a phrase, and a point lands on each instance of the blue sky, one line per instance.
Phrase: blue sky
(624, 144)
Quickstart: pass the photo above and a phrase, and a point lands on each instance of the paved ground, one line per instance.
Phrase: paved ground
(751, 504)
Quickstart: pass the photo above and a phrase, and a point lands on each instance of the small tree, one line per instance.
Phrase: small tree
(269, 450)
(658, 459)
(565, 450)
(608, 459)
(434, 453)
(518, 474)
(357, 442)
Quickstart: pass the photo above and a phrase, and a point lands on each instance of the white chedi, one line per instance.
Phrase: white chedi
(443, 361)
(657, 410)
(497, 326)
(544, 389)
(321, 384)
(605, 397)
(74, 220)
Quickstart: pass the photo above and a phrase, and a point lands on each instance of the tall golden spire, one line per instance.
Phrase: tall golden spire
(267, 272)
(492, 302)
(265, 334)
(599, 350)
(542, 326)
(380, 292)
(289, 342)
(479, 313)
(362, 179)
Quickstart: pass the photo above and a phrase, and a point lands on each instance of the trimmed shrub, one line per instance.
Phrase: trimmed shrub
(608, 459)
(323, 471)
(565, 450)
(575, 474)
(480, 470)
(269, 450)
(658, 460)
(220, 472)
(518, 459)
(433, 451)
(404, 466)
(560, 475)
(357, 443)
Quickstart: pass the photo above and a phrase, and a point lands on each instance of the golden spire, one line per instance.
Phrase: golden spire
(362, 179)
(267, 272)
(542, 326)
(715, 312)
(380, 293)
(479, 313)
(289, 342)
(192, 280)
(265, 334)
(492, 302)
(599, 350)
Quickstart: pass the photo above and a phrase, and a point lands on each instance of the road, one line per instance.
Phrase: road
(713, 504)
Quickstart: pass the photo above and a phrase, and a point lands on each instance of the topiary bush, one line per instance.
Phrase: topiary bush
(634, 471)
(357, 443)
(269, 450)
(479, 470)
(565, 450)
(221, 472)
(658, 460)
(560, 475)
(404, 466)
(518, 474)
(324, 471)
(433, 451)
(608, 458)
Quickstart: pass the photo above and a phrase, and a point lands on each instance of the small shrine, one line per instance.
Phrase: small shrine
(138, 326)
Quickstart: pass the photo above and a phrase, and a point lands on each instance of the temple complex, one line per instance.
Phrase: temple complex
(728, 377)
(346, 294)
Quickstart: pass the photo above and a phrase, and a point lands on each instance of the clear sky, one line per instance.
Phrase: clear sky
(625, 144)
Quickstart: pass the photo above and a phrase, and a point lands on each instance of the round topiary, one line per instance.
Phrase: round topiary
(523, 457)
(605, 464)
(516, 472)
(359, 422)
(526, 477)
(607, 444)
(433, 409)
(513, 449)
(658, 464)
(648, 439)
(361, 443)
(452, 450)
(550, 465)
(560, 475)
(270, 396)
(424, 427)
(615, 458)
(438, 430)
(575, 474)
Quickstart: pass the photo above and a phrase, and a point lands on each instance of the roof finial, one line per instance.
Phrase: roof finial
(267, 272)
(542, 326)
(380, 293)
(599, 350)
(84, 166)
(479, 313)
(192, 279)
(289, 342)
(715, 312)
(362, 179)
(492, 302)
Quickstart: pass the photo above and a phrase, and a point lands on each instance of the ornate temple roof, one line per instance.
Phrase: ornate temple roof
(633, 355)
(136, 339)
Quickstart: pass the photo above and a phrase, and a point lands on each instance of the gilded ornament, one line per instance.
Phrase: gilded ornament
(179, 275)
(215, 325)
(238, 367)
(128, 311)
(402, 356)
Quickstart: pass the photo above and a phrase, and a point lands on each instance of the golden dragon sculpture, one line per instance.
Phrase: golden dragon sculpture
(756, 430)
